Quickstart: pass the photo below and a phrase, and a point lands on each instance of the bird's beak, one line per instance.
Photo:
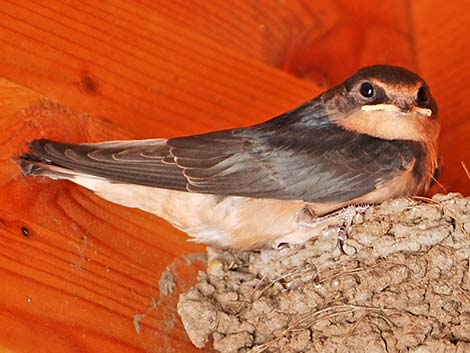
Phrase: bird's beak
(421, 111)
(397, 109)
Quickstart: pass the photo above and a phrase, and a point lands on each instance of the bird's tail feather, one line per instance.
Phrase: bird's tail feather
(115, 161)
(31, 166)
(37, 162)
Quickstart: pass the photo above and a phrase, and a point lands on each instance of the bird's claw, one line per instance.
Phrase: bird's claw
(345, 228)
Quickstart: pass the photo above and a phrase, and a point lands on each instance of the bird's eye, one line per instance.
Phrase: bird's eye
(367, 90)
(423, 95)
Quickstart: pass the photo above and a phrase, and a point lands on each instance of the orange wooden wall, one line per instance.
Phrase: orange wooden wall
(89, 71)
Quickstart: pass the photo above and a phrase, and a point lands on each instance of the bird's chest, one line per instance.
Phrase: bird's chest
(232, 221)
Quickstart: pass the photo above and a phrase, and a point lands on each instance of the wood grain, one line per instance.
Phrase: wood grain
(78, 269)
(111, 61)
(443, 50)
(322, 41)
(81, 274)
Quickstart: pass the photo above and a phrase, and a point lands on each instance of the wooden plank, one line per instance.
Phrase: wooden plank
(79, 270)
(442, 46)
(137, 69)
(323, 41)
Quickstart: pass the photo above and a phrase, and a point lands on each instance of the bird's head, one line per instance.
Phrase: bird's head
(388, 102)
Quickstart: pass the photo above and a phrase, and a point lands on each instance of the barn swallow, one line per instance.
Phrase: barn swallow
(371, 138)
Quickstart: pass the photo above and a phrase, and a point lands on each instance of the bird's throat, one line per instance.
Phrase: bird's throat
(392, 124)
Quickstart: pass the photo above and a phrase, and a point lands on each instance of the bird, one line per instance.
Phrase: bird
(368, 139)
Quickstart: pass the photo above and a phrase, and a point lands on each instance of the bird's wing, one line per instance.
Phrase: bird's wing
(315, 163)
(139, 161)
(321, 164)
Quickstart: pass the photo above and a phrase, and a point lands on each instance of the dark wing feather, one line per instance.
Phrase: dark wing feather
(285, 158)
(314, 164)
(140, 162)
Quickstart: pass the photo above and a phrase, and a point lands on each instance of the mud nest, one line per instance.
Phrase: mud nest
(403, 286)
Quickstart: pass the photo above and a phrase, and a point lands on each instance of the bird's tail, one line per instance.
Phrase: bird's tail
(38, 162)
(118, 161)
(44, 160)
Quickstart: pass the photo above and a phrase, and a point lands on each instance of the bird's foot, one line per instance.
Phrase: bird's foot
(307, 218)
(348, 213)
